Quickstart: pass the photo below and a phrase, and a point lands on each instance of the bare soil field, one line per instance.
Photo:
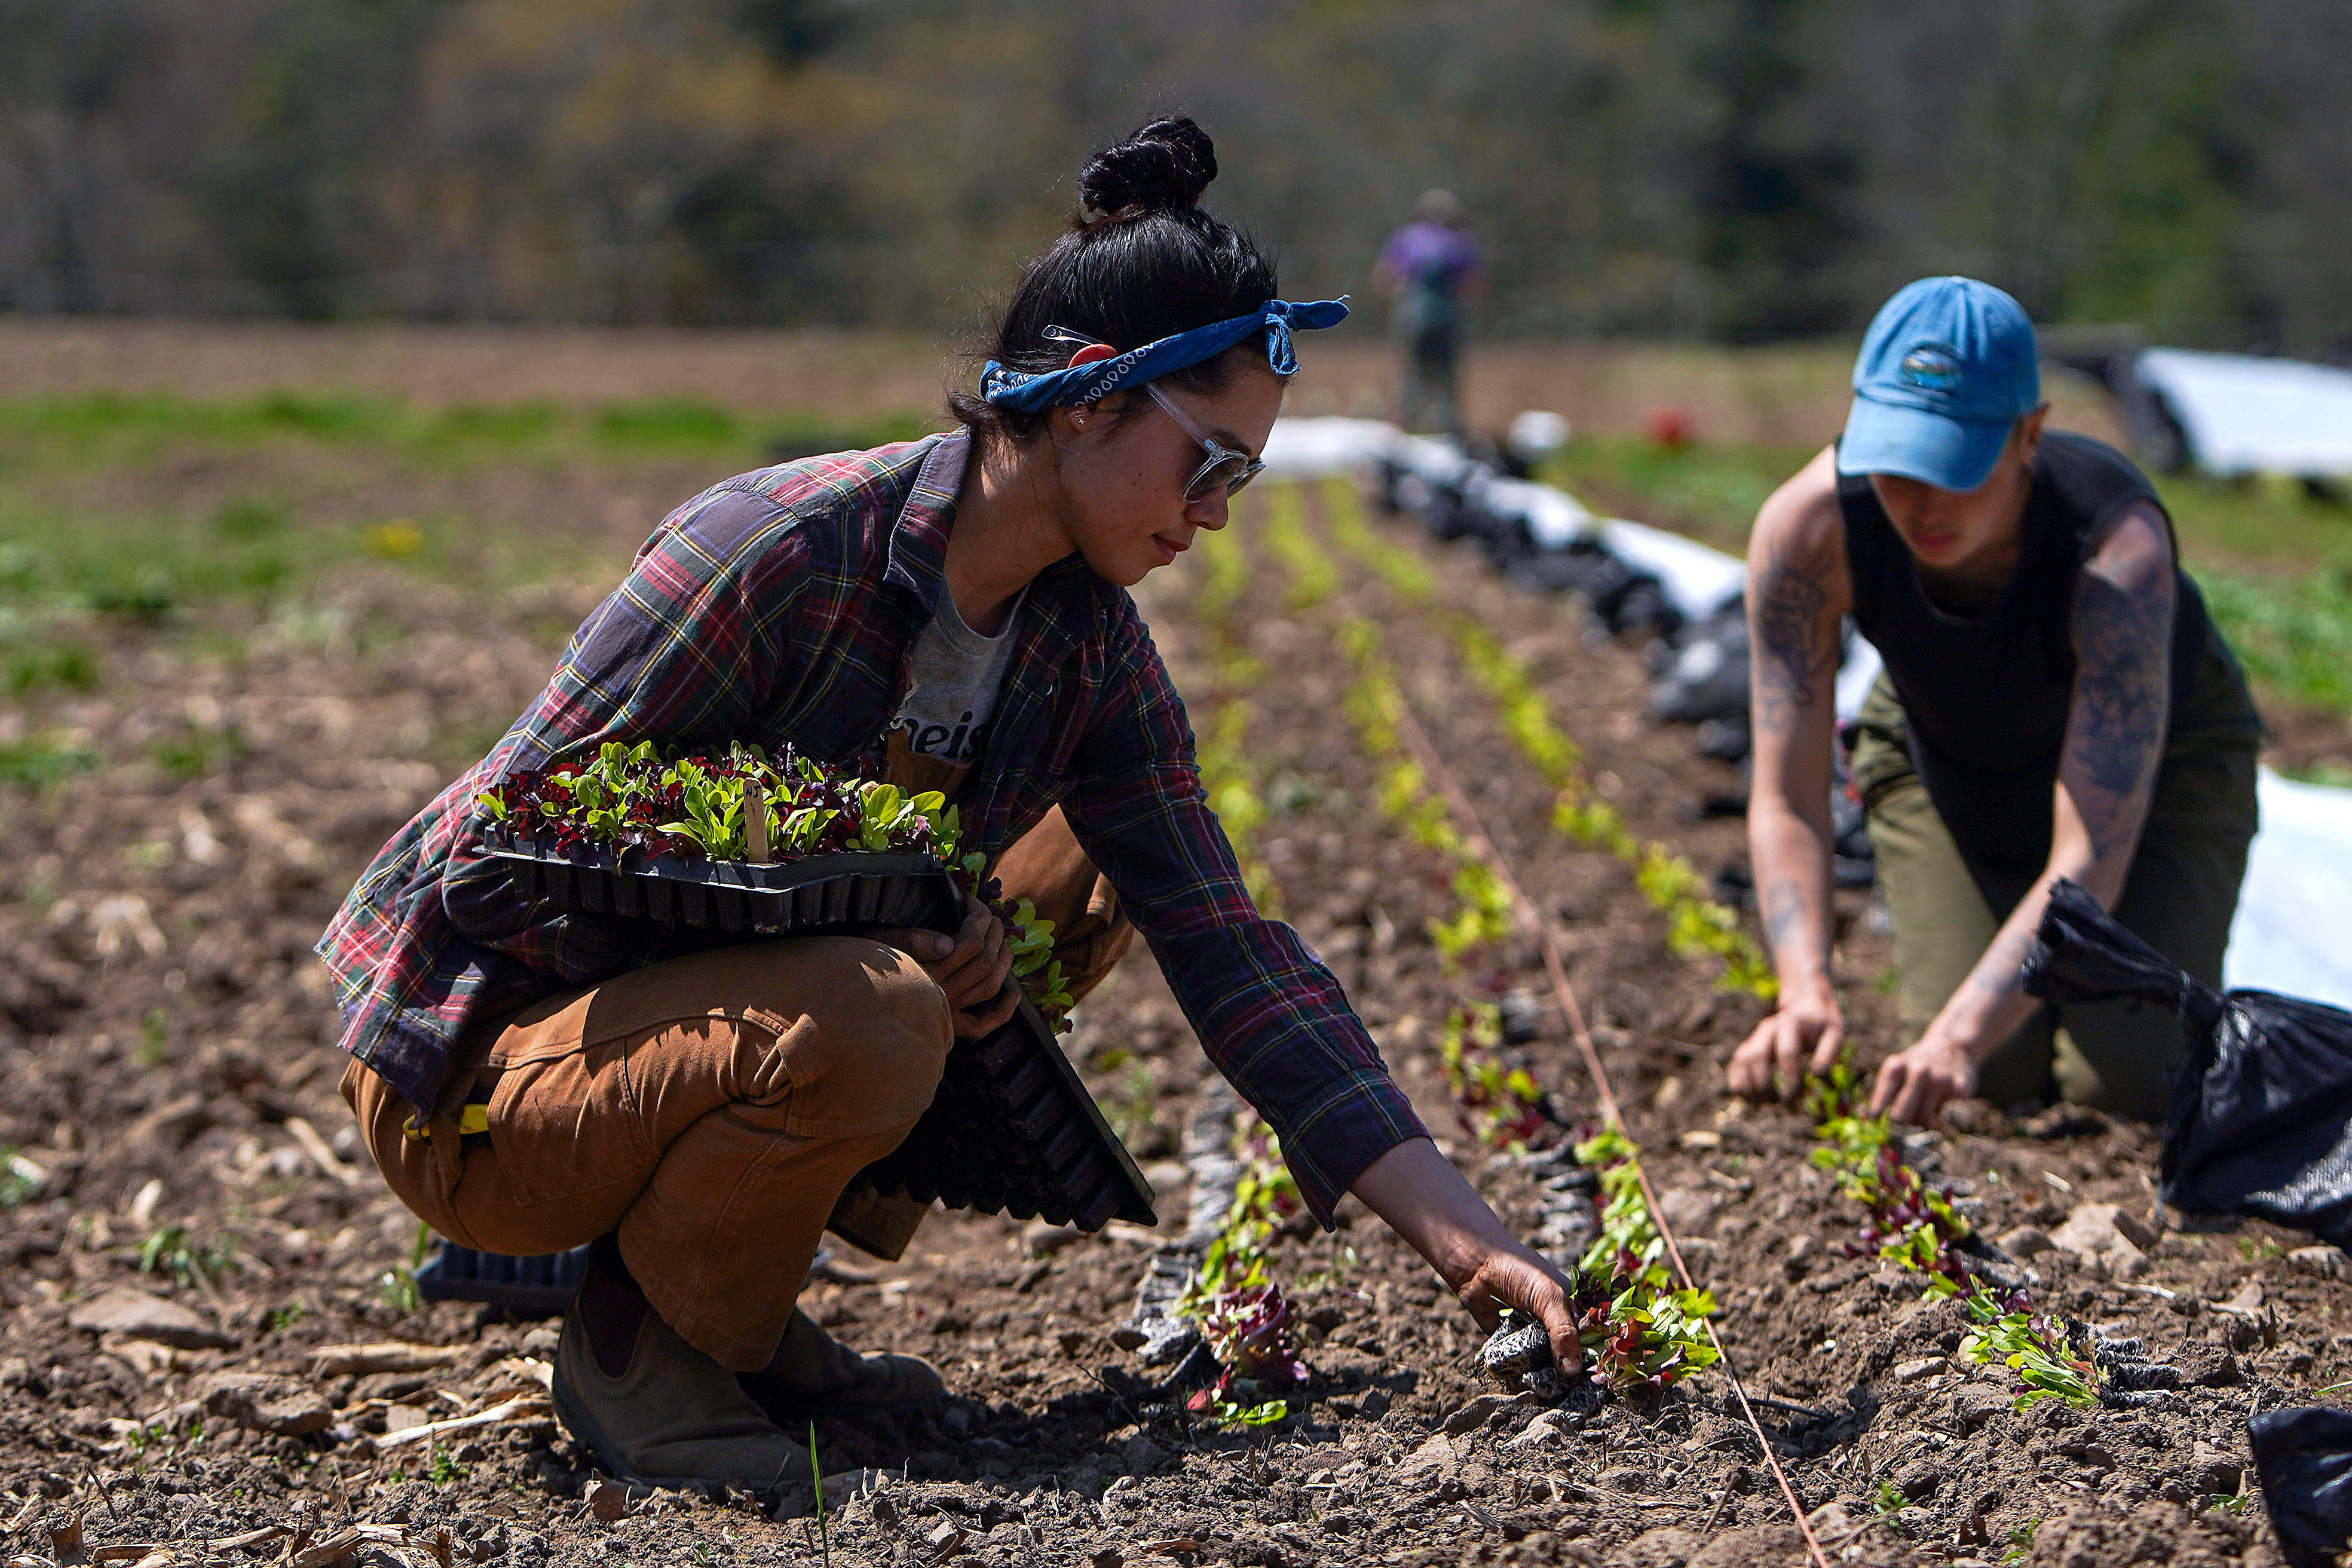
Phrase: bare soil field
(191, 1245)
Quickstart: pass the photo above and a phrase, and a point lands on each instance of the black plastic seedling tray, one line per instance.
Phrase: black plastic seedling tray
(732, 899)
(1014, 1131)
(539, 1287)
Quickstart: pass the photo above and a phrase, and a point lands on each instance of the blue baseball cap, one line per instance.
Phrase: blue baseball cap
(1947, 366)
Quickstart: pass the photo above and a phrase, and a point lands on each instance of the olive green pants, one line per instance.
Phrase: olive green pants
(2179, 897)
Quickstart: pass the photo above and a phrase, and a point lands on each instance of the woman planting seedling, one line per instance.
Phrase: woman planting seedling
(949, 615)
(2055, 704)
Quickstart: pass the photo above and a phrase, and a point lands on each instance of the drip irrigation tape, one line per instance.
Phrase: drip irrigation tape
(1474, 835)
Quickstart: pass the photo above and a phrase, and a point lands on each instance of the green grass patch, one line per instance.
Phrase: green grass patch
(1710, 492)
(37, 762)
(2294, 634)
(86, 430)
(196, 750)
(26, 668)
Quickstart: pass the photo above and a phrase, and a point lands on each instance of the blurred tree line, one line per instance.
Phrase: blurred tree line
(1733, 168)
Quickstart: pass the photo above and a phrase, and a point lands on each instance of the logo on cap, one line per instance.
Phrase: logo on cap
(1934, 366)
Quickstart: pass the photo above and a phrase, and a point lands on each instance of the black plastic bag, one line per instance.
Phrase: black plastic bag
(2262, 1100)
(2304, 1460)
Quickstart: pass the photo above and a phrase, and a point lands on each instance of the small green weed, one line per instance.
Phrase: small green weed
(397, 1285)
(19, 1177)
(284, 1318)
(2021, 1542)
(2234, 1506)
(2257, 1248)
(154, 1047)
(68, 665)
(197, 749)
(175, 1251)
(37, 762)
(444, 1469)
(816, 1479)
(1887, 1500)
(1134, 1111)
(247, 518)
(1335, 1275)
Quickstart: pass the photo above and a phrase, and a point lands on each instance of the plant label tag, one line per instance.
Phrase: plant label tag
(755, 824)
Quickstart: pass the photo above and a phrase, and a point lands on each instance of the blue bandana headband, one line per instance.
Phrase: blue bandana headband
(1085, 382)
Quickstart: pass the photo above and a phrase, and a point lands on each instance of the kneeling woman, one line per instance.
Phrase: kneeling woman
(951, 614)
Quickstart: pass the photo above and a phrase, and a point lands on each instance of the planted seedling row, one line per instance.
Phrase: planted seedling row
(1916, 1225)
(1247, 1321)
(1638, 1329)
(1699, 927)
(1213, 1293)
(1227, 777)
(1498, 1103)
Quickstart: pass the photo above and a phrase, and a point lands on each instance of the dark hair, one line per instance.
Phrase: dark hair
(1140, 261)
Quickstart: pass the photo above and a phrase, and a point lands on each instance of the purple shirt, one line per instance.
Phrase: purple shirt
(1431, 255)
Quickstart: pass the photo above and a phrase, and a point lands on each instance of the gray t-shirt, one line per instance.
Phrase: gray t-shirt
(957, 674)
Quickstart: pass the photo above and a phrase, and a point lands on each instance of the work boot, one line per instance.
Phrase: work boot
(665, 1414)
(813, 1374)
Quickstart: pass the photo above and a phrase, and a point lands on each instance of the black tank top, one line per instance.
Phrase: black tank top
(1985, 698)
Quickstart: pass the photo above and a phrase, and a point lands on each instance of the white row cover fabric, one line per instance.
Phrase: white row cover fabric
(2290, 932)
(2249, 416)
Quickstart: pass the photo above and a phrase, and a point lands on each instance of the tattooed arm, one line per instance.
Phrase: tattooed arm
(1798, 588)
(2122, 622)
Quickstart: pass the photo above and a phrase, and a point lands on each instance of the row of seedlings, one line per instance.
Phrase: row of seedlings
(1209, 1304)
(1638, 1330)
(1917, 1227)
(1227, 777)
(1498, 1102)
(1698, 926)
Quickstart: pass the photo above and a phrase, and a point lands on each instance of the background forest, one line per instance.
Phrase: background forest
(1735, 170)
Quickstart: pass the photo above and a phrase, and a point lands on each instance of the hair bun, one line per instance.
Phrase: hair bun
(1166, 165)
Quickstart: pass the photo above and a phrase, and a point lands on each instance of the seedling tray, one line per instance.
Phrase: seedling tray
(1014, 1131)
(533, 1287)
(803, 898)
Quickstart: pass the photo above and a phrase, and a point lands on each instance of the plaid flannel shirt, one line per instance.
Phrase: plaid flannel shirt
(781, 606)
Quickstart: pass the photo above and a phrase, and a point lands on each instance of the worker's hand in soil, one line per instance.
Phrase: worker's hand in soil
(1804, 1034)
(1427, 1201)
(975, 967)
(1913, 1085)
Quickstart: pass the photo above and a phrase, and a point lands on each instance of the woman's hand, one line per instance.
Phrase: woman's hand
(1805, 1033)
(1427, 1201)
(973, 968)
(1913, 1085)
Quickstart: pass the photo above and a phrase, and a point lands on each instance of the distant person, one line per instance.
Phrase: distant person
(1429, 270)
(2055, 703)
(528, 1083)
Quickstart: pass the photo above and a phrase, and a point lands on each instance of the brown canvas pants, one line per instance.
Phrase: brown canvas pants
(709, 1110)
